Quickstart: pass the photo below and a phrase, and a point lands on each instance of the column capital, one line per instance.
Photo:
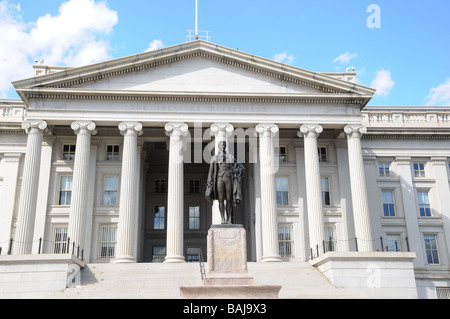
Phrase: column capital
(177, 128)
(34, 126)
(355, 130)
(130, 128)
(310, 130)
(84, 127)
(266, 128)
(224, 128)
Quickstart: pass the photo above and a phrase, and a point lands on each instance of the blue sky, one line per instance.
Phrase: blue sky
(400, 47)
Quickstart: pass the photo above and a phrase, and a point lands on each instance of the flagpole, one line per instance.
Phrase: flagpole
(196, 19)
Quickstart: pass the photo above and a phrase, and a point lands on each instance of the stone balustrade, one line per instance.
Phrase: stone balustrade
(384, 117)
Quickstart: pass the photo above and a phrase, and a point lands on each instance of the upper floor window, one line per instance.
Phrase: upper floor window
(384, 169)
(419, 169)
(388, 203)
(323, 156)
(325, 189)
(69, 152)
(424, 203)
(112, 152)
(281, 186)
(282, 154)
(194, 186)
(160, 186)
(111, 190)
(65, 190)
(194, 217)
(159, 218)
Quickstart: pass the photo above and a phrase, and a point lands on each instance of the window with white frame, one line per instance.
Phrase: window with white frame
(59, 239)
(323, 156)
(388, 203)
(112, 152)
(65, 190)
(68, 152)
(393, 242)
(107, 244)
(424, 203)
(431, 249)
(282, 191)
(419, 169)
(194, 217)
(159, 218)
(325, 189)
(111, 190)
(384, 169)
(286, 240)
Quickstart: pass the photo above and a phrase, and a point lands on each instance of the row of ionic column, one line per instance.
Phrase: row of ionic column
(126, 237)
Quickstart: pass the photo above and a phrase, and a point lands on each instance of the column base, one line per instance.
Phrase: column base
(125, 260)
(174, 259)
(275, 258)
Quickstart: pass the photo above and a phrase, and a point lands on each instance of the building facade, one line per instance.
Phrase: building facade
(110, 160)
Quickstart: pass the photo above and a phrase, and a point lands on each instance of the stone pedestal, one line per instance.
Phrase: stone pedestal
(227, 275)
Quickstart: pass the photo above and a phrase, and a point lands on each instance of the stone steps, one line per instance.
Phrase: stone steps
(162, 281)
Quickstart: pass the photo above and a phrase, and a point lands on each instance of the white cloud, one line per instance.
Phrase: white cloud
(440, 95)
(155, 45)
(73, 37)
(383, 83)
(344, 58)
(283, 58)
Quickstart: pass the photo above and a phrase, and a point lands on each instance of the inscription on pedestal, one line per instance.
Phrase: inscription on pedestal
(227, 250)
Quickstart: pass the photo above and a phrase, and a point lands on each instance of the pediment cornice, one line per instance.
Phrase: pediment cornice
(67, 81)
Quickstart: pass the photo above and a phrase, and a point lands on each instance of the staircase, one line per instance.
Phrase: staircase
(162, 281)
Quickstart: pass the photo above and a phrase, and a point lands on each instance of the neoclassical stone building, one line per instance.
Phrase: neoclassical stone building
(112, 159)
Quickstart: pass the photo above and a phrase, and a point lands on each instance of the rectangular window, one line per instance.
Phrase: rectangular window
(159, 253)
(424, 203)
(194, 186)
(431, 249)
(393, 243)
(107, 241)
(65, 190)
(159, 218)
(194, 217)
(112, 152)
(111, 190)
(59, 239)
(325, 188)
(160, 186)
(281, 185)
(419, 169)
(322, 154)
(69, 152)
(388, 203)
(330, 237)
(286, 240)
(193, 254)
(282, 154)
(384, 169)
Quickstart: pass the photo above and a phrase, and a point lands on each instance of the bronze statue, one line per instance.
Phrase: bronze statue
(224, 182)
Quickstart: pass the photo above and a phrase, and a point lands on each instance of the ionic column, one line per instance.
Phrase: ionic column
(271, 249)
(129, 187)
(83, 130)
(361, 215)
(27, 203)
(175, 198)
(221, 132)
(316, 224)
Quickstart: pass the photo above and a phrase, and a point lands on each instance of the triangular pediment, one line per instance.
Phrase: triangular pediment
(196, 67)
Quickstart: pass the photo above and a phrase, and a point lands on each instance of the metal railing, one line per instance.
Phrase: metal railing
(202, 264)
(66, 247)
